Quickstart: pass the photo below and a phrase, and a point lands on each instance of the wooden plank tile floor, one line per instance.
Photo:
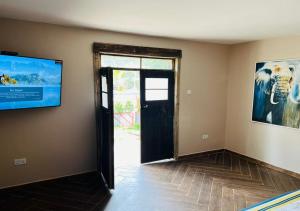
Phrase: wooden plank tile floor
(218, 181)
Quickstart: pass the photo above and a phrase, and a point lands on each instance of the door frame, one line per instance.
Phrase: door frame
(146, 52)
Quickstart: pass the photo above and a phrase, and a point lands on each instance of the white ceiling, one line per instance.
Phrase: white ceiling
(220, 21)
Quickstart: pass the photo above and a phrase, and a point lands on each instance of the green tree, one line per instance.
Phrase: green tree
(129, 107)
(118, 107)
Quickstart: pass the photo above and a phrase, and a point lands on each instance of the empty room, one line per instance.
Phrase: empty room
(149, 105)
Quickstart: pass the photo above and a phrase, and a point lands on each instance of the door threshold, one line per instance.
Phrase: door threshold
(161, 161)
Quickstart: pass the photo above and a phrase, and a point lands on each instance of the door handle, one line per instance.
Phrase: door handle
(145, 106)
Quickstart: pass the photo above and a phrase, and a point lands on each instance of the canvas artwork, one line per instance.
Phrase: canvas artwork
(277, 93)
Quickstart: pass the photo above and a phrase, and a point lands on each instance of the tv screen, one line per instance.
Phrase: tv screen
(29, 82)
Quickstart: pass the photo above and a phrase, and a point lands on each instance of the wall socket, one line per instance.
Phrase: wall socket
(20, 161)
(204, 136)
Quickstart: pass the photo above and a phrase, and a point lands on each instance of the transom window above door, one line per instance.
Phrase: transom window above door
(136, 62)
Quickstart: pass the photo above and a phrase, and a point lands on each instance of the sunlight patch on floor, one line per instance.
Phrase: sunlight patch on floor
(127, 152)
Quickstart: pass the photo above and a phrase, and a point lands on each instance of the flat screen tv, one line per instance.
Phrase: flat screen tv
(29, 82)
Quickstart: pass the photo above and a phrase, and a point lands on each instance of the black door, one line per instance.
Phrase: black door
(157, 113)
(106, 128)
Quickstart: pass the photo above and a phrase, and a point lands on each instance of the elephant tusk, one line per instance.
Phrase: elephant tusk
(272, 96)
(272, 99)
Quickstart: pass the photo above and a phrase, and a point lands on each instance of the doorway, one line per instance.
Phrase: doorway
(127, 124)
(137, 121)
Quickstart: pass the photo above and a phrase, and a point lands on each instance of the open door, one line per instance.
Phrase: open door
(157, 114)
(106, 127)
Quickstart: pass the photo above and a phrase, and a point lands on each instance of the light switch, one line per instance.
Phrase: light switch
(189, 92)
(204, 136)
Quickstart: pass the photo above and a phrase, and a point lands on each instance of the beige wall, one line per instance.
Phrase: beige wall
(273, 144)
(61, 141)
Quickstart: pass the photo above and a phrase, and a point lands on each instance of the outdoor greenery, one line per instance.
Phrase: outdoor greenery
(136, 62)
(136, 126)
(125, 80)
(162, 64)
(126, 100)
(123, 108)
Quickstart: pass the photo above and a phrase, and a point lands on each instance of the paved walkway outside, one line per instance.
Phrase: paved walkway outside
(127, 152)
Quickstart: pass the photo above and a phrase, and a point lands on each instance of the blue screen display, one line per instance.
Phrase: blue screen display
(29, 82)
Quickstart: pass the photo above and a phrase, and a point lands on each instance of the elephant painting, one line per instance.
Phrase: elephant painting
(277, 93)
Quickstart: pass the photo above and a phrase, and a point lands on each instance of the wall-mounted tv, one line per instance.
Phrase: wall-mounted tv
(29, 82)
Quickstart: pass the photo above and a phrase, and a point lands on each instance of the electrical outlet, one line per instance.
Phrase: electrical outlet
(20, 161)
(204, 136)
